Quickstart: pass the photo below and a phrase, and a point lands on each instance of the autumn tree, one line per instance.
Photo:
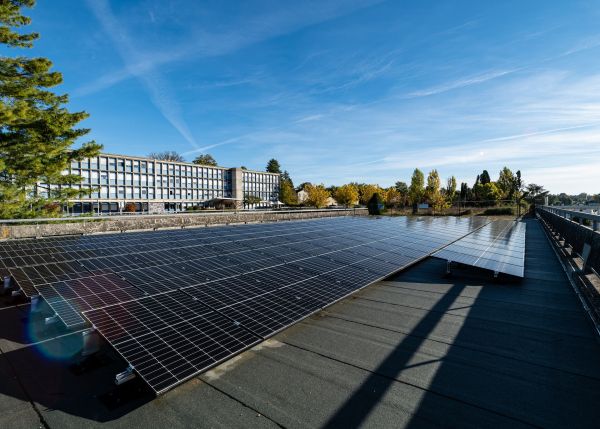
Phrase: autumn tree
(167, 155)
(206, 159)
(287, 193)
(37, 131)
(392, 197)
(366, 191)
(273, 166)
(416, 189)
(317, 195)
(432, 191)
(346, 195)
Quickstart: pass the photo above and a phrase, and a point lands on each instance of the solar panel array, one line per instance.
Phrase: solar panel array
(174, 303)
(498, 246)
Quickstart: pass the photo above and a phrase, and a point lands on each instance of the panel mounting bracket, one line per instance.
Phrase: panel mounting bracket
(125, 376)
(51, 320)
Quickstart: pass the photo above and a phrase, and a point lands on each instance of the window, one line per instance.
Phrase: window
(112, 164)
(103, 163)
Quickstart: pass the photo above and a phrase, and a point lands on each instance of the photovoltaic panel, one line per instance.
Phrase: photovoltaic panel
(498, 246)
(171, 337)
(68, 299)
(257, 278)
(29, 278)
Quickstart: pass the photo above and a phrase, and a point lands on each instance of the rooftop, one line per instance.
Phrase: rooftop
(416, 350)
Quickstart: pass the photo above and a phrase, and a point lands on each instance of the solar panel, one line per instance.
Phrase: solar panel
(171, 337)
(29, 278)
(249, 281)
(68, 299)
(498, 246)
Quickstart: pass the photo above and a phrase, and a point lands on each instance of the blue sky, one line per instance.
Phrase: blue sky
(343, 90)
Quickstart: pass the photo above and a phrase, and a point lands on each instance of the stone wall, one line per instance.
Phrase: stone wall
(105, 224)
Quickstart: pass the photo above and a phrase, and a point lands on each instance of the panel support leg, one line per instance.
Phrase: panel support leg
(51, 320)
(91, 342)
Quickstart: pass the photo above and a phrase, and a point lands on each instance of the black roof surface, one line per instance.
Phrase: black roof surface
(417, 350)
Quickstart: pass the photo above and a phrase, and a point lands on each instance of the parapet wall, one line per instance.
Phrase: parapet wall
(575, 234)
(105, 224)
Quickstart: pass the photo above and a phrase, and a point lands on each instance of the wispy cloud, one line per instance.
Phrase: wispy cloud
(157, 88)
(276, 22)
(461, 83)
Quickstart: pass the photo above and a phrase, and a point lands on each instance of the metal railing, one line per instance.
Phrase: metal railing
(575, 215)
(578, 230)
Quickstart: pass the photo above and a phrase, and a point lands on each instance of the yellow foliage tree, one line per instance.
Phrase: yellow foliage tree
(317, 195)
(432, 191)
(347, 195)
(367, 191)
(392, 197)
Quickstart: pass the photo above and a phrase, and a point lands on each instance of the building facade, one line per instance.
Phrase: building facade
(116, 183)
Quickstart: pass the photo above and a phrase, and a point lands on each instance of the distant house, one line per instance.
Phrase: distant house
(302, 196)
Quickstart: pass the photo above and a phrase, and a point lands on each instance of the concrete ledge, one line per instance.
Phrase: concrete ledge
(106, 224)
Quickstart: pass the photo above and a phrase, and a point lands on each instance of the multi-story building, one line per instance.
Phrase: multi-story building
(113, 181)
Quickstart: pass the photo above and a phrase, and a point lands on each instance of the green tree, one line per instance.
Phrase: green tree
(402, 189)
(167, 155)
(506, 183)
(416, 189)
(485, 177)
(287, 193)
(450, 191)
(317, 195)
(207, 159)
(273, 166)
(488, 193)
(346, 195)
(251, 200)
(432, 191)
(464, 191)
(37, 131)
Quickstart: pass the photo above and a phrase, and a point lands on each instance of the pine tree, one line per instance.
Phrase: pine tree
(273, 166)
(36, 129)
(485, 177)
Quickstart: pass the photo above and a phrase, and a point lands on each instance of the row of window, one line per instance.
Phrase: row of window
(120, 192)
(136, 166)
(258, 187)
(112, 178)
(260, 178)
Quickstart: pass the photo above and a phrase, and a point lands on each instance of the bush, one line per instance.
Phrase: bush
(499, 211)
(375, 205)
(129, 208)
